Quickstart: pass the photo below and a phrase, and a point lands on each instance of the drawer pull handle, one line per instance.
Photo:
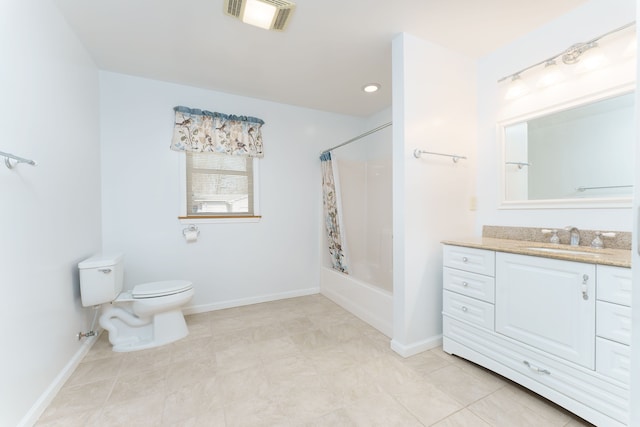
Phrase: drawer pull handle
(465, 309)
(465, 259)
(535, 368)
(465, 284)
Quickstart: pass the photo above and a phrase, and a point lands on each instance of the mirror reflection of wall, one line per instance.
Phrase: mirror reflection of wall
(582, 152)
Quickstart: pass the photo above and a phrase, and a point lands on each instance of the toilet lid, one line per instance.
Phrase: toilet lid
(159, 289)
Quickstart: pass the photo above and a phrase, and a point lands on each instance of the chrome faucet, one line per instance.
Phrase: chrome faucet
(574, 233)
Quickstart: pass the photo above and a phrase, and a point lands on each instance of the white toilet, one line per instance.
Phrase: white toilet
(149, 315)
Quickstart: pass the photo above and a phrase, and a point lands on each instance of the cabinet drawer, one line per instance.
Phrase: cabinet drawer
(614, 284)
(613, 360)
(470, 284)
(469, 259)
(613, 322)
(472, 310)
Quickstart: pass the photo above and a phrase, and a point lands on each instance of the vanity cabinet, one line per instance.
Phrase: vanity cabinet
(560, 328)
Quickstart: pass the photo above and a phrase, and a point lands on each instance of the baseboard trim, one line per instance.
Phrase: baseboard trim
(415, 348)
(203, 308)
(50, 393)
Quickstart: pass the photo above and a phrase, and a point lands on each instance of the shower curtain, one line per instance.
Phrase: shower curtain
(333, 214)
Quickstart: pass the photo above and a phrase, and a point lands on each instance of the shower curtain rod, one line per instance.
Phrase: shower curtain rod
(358, 137)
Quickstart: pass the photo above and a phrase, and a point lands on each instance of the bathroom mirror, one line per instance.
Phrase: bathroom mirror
(573, 156)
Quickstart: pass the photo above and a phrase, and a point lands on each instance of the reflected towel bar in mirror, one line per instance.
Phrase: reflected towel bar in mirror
(519, 164)
(603, 187)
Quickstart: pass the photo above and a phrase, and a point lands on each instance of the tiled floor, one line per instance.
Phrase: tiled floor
(296, 362)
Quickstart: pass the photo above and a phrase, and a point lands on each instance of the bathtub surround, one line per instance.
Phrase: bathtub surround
(365, 179)
(50, 214)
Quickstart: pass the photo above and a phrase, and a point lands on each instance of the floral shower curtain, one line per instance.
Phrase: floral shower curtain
(204, 131)
(333, 214)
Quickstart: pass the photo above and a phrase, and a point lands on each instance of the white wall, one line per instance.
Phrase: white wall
(434, 109)
(584, 23)
(50, 215)
(230, 264)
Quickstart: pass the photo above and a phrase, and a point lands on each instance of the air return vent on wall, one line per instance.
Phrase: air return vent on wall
(267, 14)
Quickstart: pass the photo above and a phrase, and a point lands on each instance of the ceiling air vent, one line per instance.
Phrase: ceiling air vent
(267, 14)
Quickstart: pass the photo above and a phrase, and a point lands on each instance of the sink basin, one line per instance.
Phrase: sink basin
(564, 251)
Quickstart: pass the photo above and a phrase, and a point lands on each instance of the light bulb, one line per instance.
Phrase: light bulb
(551, 75)
(591, 59)
(371, 87)
(259, 14)
(517, 88)
(631, 49)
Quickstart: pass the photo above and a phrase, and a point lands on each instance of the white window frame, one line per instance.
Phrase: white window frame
(185, 219)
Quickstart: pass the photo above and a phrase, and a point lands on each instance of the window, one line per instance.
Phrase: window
(219, 186)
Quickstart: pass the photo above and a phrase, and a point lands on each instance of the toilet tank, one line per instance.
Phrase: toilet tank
(101, 278)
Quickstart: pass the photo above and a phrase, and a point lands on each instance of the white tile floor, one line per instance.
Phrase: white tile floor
(296, 362)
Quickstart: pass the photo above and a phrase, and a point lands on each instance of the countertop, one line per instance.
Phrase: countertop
(606, 256)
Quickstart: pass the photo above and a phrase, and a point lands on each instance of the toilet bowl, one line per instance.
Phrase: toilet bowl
(147, 316)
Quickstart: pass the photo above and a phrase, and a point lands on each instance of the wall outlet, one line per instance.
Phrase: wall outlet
(473, 203)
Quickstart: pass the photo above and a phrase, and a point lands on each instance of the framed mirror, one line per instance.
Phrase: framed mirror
(571, 156)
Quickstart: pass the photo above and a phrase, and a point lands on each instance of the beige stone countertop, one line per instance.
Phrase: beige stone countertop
(606, 256)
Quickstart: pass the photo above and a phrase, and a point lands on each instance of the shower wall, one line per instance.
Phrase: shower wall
(364, 169)
(366, 213)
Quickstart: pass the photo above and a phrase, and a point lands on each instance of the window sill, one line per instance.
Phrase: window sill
(218, 219)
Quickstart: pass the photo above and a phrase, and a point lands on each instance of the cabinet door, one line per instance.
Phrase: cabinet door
(548, 304)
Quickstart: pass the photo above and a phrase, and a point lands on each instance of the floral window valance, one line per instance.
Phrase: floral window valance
(204, 131)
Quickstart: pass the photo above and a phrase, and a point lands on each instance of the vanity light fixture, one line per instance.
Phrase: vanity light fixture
(587, 55)
(371, 87)
(267, 14)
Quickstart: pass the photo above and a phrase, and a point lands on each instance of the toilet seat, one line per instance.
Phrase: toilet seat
(160, 289)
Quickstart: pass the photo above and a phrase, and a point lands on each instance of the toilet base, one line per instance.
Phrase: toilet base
(128, 332)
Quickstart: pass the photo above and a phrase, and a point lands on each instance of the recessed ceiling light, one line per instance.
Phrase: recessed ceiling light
(371, 87)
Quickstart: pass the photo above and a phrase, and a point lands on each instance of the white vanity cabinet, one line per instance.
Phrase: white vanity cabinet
(559, 327)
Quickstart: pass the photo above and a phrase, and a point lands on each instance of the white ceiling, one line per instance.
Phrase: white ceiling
(329, 51)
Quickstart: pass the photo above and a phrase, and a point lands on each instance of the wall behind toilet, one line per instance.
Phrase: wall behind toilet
(230, 264)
